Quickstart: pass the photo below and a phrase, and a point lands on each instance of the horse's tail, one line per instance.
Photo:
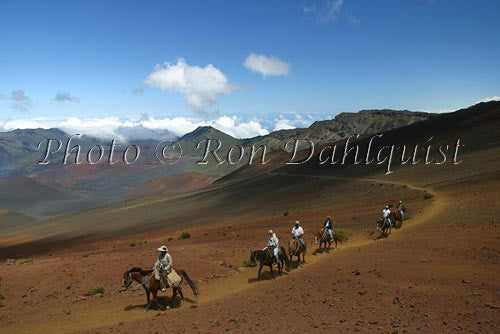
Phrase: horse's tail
(337, 240)
(189, 281)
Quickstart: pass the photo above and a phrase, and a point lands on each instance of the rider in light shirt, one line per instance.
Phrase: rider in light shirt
(273, 244)
(298, 233)
(386, 212)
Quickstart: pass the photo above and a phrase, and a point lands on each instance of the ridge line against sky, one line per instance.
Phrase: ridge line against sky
(143, 126)
(244, 68)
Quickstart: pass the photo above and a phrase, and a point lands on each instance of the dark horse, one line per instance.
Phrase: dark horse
(321, 237)
(397, 218)
(151, 285)
(265, 258)
(295, 248)
(384, 226)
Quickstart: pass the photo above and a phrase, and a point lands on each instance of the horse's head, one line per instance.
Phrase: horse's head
(253, 255)
(126, 281)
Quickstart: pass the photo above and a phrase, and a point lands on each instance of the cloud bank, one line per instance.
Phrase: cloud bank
(489, 99)
(139, 127)
(199, 85)
(266, 65)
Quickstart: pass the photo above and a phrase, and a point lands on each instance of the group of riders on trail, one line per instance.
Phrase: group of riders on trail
(163, 268)
(166, 277)
(297, 234)
(388, 216)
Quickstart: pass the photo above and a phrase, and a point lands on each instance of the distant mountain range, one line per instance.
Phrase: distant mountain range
(248, 190)
(86, 185)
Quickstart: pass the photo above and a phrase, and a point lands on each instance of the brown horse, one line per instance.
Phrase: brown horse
(295, 248)
(321, 237)
(151, 285)
(397, 218)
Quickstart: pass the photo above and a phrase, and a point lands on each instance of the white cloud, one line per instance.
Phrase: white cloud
(333, 8)
(308, 9)
(327, 11)
(439, 111)
(139, 127)
(489, 99)
(23, 124)
(231, 126)
(266, 65)
(65, 97)
(199, 85)
(19, 96)
(22, 102)
(298, 121)
(355, 20)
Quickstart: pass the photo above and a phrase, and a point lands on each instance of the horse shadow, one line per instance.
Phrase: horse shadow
(296, 264)
(321, 251)
(266, 276)
(381, 236)
(162, 303)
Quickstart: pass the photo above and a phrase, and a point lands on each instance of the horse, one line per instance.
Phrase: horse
(295, 248)
(321, 237)
(266, 258)
(384, 226)
(397, 218)
(151, 285)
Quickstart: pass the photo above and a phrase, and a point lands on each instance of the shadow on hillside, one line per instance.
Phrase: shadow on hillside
(162, 303)
(321, 251)
(266, 275)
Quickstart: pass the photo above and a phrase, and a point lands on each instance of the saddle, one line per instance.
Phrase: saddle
(174, 279)
(171, 280)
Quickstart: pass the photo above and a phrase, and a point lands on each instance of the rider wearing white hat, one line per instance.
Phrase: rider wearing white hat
(163, 266)
(386, 213)
(273, 244)
(298, 233)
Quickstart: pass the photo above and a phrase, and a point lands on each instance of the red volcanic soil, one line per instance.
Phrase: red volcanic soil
(436, 274)
(172, 184)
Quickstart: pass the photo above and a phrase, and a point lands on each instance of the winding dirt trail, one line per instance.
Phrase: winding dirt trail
(246, 277)
(238, 281)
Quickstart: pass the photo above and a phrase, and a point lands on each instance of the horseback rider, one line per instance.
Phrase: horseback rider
(163, 266)
(387, 215)
(328, 227)
(273, 245)
(298, 233)
(401, 208)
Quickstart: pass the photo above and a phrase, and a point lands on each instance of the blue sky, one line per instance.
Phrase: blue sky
(338, 56)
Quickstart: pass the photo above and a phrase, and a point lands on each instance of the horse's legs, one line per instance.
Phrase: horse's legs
(154, 291)
(260, 269)
(174, 294)
(180, 293)
(147, 297)
(271, 269)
